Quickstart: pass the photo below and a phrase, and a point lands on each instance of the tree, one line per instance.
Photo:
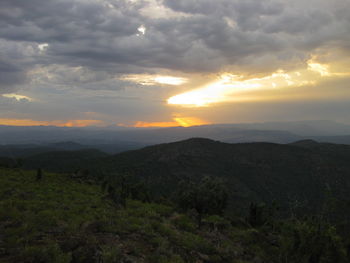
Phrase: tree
(123, 186)
(311, 241)
(256, 215)
(209, 196)
(39, 174)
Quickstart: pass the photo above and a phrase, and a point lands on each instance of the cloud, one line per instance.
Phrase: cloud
(71, 55)
(70, 77)
(10, 76)
(215, 35)
(17, 97)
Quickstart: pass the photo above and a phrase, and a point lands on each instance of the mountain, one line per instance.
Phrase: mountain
(298, 174)
(62, 161)
(46, 135)
(303, 172)
(261, 136)
(302, 128)
(25, 150)
(61, 218)
(227, 133)
(117, 139)
(112, 147)
(333, 139)
(67, 146)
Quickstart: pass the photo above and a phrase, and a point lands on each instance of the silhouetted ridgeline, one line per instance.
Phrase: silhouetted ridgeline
(117, 139)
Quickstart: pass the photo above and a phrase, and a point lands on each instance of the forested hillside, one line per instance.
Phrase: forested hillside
(302, 176)
(48, 217)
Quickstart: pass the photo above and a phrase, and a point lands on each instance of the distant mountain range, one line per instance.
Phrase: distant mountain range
(25, 150)
(118, 139)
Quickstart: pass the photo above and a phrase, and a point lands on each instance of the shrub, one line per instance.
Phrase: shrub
(50, 253)
(110, 254)
(185, 223)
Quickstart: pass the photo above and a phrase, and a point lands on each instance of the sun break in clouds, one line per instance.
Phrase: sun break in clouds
(143, 61)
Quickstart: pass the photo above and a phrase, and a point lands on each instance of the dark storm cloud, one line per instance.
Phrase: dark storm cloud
(14, 62)
(227, 7)
(276, 28)
(102, 37)
(10, 76)
(63, 21)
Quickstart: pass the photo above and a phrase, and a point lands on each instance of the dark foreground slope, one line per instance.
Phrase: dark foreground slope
(300, 175)
(60, 219)
(62, 161)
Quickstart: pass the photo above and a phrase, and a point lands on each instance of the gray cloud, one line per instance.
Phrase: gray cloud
(91, 43)
(103, 34)
(10, 76)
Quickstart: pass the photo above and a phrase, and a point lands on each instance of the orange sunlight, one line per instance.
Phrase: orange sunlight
(143, 124)
(229, 87)
(215, 92)
(69, 123)
(178, 121)
(190, 121)
(148, 80)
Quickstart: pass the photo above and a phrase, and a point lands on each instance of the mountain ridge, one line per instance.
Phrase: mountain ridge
(254, 172)
(131, 137)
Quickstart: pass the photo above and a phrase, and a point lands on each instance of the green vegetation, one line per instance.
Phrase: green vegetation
(207, 197)
(191, 201)
(62, 219)
(299, 176)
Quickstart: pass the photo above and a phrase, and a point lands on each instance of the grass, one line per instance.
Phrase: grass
(60, 219)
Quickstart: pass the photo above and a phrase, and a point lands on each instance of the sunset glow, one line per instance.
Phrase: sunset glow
(323, 70)
(143, 124)
(17, 96)
(152, 63)
(170, 80)
(190, 121)
(233, 88)
(177, 121)
(148, 80)
(222, 90)
(69, 123)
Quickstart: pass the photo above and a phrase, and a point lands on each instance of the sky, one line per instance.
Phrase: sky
(162, 63)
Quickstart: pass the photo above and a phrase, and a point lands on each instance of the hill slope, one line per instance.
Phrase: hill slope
(59, 219)
(260, 172)
(62, 161)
